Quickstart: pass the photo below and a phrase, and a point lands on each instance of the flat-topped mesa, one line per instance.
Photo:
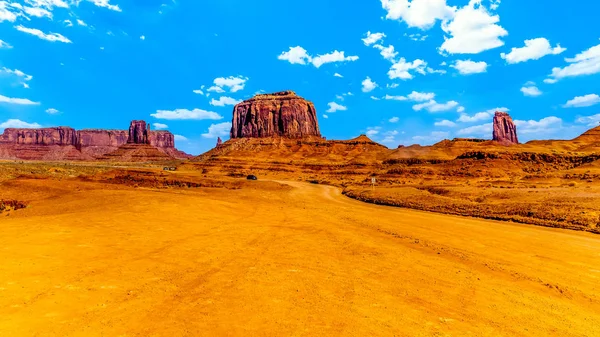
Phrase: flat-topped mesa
(44, 136)
(138, 132)
(280, 114)
(505, 130)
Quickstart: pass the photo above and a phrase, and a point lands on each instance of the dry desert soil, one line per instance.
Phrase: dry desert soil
(279, 258)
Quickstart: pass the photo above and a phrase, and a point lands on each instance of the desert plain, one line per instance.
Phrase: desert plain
(101, 250)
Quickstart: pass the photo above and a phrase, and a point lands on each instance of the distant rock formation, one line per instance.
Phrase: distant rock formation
(505, 130)
(64, 143)
(219, 141)
(282, 114)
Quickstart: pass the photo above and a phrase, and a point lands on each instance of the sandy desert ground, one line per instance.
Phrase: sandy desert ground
(266, 258)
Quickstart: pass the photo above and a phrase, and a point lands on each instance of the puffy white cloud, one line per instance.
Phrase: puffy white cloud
(446, 123)
(421, 96)
(592, 121)
(477, 130)
(394, 120)
(473, 30)
(52, 111)
(460, 109)
(338, 75)
(199, 91)
(160, 126)
(196, 114)
(495, 4)
(393, 86)
(234, 83)
(368, 85)
(401, 69)
(372, 38)
(180, 138)
(544, 125)
(422, 14)
(218, 130)
(333, 107)
(52, 37)
(224, 100)
(37, 12)
(373, 131)
(388, 52)
(417, 37)
(585, 63)
(583, 101)
(142, 37)
(106, 4)
(395, 98)
(531, 90)
(480, 116)
(81, 23)
(375, 98)
(466, 67)
(216, 89)
(325, 116)
(18, 124)
(299, 55)
(534, 49)
(435, 71)
(23, 78)
(68, 23)
(5, 45)
(433, 106)
(433, 137)
(18, 101)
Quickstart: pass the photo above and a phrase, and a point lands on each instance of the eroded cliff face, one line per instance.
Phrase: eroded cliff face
(281, 114)
(69, 144)
(505, 130)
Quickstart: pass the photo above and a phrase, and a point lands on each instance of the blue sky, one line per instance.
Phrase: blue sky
(401, 71)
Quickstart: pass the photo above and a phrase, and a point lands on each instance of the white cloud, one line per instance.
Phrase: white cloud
(416, 37)
(69, 23)
(338, 75)
(234, 84)
(460, 109)
(6, 14)
(585, 63)
(388, 52)
(368, 85)
(495, 4)
(372, 38)
(216, 89)
(325, 116)
(592, 121)
(435, 71)
(340, 97)
(480, 116)
(422, 14)
(534, 49)
(372, 131)
(335, 56)
(333, 107)
(52, 37)
(395, 98)
(19, 101)
(5, 45)
(446, 123)
(106, 4)
(466, 67)
(18, 124)
(197, 114)
(393, 86)
(583, 101)
(218, 130)
(433, 137)
(401, 69)
(160, 126)
(477, 130)
(433, 106)
(180, 138)
(394, 120)
(224, 100)
(37, 12)
(375, 98)
(531, 90)
(23, 78)
(142, 37)
(299, 55)
(473, 30)
(52, 111)
(199, 92)
(421, 96)
(544, 125)
(81, 23)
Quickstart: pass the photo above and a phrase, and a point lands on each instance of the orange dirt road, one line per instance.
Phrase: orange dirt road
(106, 260)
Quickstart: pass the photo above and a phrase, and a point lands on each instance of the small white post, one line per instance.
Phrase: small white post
(373, 183)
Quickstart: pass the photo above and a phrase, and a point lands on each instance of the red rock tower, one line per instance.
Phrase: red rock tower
(280, 114)
(138, 133)
(505, 130)
(219, 141)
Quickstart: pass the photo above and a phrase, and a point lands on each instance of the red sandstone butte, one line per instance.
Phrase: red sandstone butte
(219, 141)
(505, 130)
(64, 143)
(283, 114)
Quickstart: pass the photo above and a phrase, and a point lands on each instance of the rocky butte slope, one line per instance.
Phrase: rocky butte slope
(283, 114)
(505, 130)
(64, 143)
